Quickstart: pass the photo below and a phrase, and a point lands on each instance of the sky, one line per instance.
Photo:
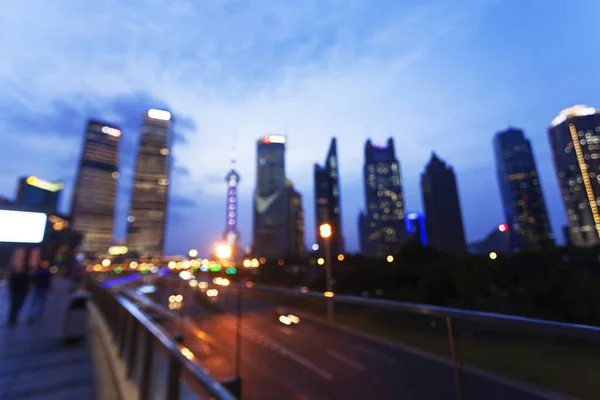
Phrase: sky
(436, 75)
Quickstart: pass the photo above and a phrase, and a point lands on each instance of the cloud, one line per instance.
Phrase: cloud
(433, 74)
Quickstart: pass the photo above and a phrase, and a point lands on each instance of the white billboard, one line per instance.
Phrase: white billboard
(22, 226)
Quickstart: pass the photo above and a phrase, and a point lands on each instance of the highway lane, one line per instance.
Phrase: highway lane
(315, 361)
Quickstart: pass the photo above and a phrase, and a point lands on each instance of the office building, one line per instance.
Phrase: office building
(384, 221)
(38, 194)
(296, 245)
(444, 223)
(148, 212)
(415, 227)
(520, 187)
(575, 141)
(277, 207)
(95, 192)
(327, 200)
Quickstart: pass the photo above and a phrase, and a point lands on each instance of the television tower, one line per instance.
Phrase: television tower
(231, 234)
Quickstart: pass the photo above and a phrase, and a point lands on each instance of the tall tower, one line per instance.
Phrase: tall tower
(95, 193)
(521, 190)
(443, 217)
(575, 141)
(231, 234)
(327, 200)
(148, 212)
(385, 230)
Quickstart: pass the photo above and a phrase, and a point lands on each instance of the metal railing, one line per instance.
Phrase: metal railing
(160, 367)
(484, 343)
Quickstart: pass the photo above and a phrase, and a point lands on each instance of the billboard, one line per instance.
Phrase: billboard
(22, 226)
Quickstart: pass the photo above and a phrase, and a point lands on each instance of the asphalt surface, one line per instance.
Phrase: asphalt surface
(312, 360)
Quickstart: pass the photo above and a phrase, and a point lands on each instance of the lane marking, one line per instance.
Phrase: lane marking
(349, 361)
(263, 340)
(376, 354)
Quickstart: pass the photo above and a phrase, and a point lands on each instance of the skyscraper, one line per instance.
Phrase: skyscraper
(327, 200)
(93, 205)
(39, 194)
(148, 212)
(521, 191)
(277, 207)
(575, 141)
(383, 224)
(444, 224)
(232, 234)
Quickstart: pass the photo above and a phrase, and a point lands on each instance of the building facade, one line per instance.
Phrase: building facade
(149, 197)
(327, 200)
(39, 194)
(444, 223)
(575, 141)
(276, 204)
(95, 192)
(384, 223)
(520, 187)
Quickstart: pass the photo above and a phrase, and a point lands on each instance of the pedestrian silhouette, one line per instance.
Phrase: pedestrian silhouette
(41, 286)
(18, 287)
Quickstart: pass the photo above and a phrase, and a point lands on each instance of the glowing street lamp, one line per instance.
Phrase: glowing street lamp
(223, 250)
(493, 255)
(325, 232)
(193, 253)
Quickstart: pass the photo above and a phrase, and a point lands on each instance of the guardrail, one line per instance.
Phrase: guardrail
(506, 320)
(158, 365)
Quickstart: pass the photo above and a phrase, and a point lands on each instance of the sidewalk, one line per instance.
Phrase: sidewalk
(34, 363)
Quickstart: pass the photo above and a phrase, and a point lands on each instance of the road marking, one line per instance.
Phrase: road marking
(376, 354)
(349, 361)
(263, 340)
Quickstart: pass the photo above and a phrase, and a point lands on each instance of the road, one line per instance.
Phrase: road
(313, 360)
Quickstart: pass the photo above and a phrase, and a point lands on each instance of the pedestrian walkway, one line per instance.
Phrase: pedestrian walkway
(34, 361)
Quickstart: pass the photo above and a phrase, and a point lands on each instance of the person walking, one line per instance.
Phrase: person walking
(18, 286)
(41, 286)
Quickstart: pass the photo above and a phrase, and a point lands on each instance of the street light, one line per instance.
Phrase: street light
(193, 253)
(493, 255)
(223, 250)
(325, 232)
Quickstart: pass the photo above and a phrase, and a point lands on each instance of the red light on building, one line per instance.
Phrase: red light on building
(502, 227)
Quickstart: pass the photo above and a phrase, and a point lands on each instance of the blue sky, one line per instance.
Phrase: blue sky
(435, 75)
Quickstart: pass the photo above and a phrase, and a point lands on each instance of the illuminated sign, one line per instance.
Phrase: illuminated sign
(111, 131)
(22, 226)
(117, 250)
(159, 114)
(42, 184)
(269, 139)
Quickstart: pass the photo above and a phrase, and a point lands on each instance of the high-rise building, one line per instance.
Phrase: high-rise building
(149, 197)
(93, 205)
(384, 230)
(39, 194)
(232, 234)
(277, 207)
(520, 187)
(327, 200)
(415, 227)
(296, 245)
(444, 224)
(575, 141)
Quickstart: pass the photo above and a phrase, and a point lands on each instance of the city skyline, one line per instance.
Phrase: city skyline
(353, 84)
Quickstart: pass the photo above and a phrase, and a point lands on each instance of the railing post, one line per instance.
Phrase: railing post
(455, 358)
(174, 374)
(131, 348)
(146, 365)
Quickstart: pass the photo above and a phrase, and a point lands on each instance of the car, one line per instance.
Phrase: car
(285, 317)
